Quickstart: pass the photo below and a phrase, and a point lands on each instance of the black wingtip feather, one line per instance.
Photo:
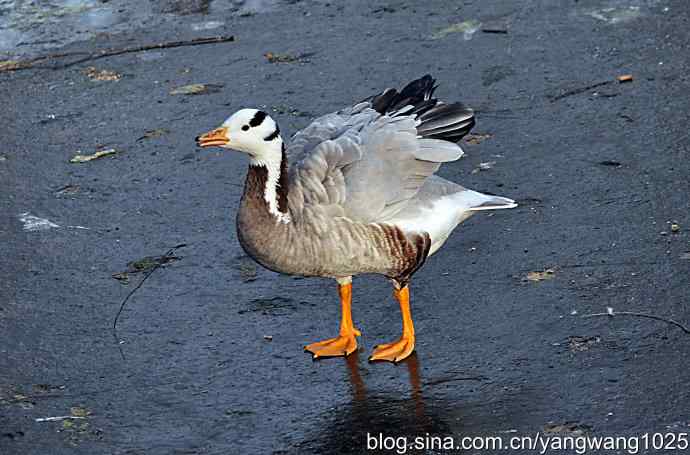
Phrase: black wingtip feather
(382, 101)
(415, 93)
(421, 88)
(450, 122)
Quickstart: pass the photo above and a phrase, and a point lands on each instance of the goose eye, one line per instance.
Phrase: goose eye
(245, 127)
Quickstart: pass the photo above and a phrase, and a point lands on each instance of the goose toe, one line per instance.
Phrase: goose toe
(393, 352)
(340, 346)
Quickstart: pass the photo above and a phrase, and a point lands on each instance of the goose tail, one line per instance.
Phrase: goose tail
(490, 202)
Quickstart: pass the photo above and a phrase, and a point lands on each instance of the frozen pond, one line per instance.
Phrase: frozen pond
(27, 26)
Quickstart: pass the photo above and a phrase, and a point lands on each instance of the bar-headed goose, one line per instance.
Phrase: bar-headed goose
(359, 196)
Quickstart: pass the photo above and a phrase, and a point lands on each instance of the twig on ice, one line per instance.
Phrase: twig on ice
(611, 313)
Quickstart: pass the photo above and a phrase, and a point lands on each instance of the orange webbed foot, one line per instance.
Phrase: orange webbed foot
(394, 352)
(340, 346)
(404, 346)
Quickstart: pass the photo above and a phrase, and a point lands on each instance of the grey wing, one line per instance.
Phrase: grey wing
(368, 161)
(328, 127)
(361, 164)
(394, 166)
(319, 156)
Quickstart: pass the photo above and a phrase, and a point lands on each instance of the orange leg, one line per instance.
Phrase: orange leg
(345, 343)
(403, 347)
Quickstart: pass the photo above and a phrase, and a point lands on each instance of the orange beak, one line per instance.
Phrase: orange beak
(215, 138)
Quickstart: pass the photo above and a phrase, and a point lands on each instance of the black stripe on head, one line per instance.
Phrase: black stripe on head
(258, 119)
(273, 135)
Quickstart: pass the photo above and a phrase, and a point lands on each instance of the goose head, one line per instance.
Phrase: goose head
(250, 131)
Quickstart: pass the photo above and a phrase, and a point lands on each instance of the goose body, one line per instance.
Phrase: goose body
(354, 192)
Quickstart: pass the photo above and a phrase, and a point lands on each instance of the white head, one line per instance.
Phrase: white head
(255, 133)
(250, 131)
